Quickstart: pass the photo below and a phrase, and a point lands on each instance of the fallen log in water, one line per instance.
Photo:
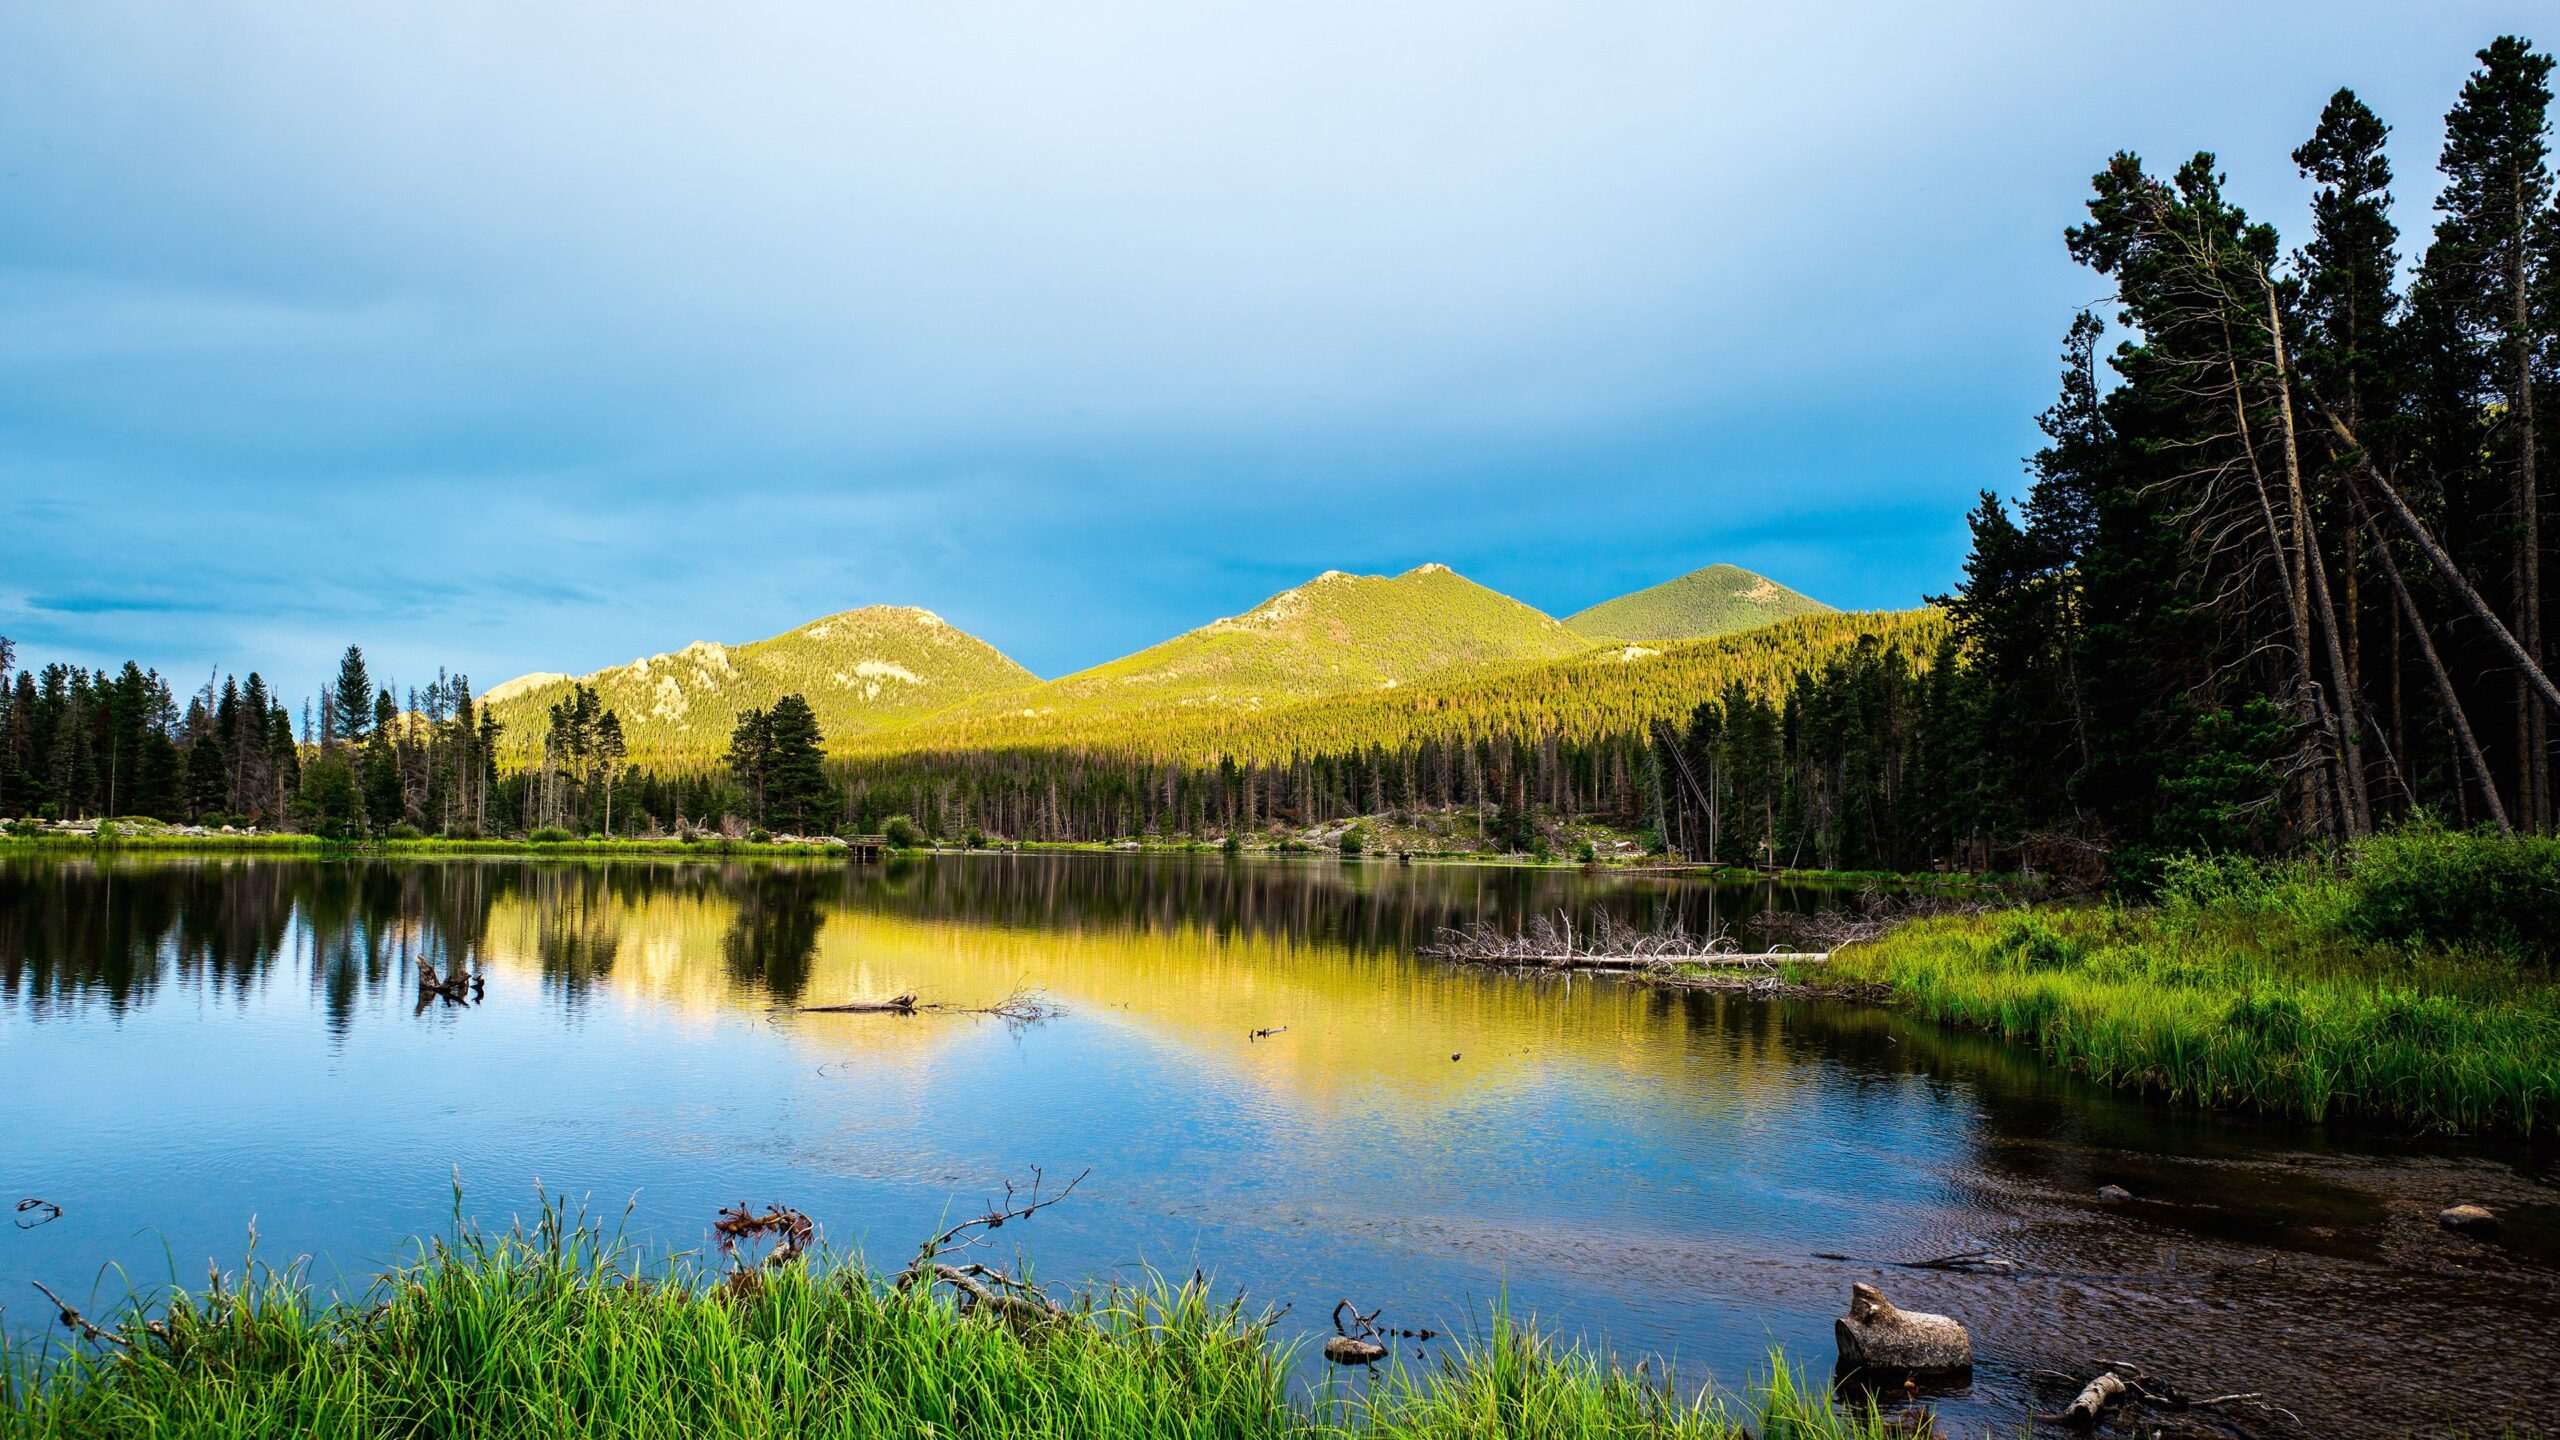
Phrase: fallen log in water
(1021, 1007)
(894, 1005)
(1558, 943)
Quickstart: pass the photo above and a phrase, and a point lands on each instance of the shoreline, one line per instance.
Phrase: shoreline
(293, 842)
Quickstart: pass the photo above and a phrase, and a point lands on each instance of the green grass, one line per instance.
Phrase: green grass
(2250, 987)
(564, 1331)
(1718, 600)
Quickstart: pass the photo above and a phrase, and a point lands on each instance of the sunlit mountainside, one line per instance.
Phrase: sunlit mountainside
(1333, 634)
(1616, 688)
(1340, 659)
(1717, 600)
(859, 670)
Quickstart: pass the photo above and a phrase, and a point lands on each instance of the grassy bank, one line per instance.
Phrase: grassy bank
(2411, 985)
(561, 1332)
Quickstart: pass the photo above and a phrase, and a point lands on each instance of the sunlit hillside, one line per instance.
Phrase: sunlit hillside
(1609, 690)
(1717, 600)
(1335, 634)
(859, 670)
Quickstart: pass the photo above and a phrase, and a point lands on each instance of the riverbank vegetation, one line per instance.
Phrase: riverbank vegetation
(2413, 985)
(564, 1330)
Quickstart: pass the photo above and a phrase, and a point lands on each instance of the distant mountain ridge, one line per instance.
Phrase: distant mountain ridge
(896, 675)
(1333, 634)
(1717, 600)
(859, 669)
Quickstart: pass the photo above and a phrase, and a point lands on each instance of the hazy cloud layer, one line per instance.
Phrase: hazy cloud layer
(517, 337)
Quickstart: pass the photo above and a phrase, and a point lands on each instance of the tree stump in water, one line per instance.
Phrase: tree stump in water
(1352, 1350)
(1875, 1335)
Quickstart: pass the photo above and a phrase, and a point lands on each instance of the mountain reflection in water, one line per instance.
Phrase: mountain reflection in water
(193, 1042)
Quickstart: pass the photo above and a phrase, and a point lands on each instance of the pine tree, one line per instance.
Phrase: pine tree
(351, 699)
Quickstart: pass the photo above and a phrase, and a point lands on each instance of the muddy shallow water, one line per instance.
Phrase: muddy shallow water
(188, 1044)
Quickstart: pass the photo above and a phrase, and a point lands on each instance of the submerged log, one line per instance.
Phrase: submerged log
(894, 1005)
(2095, 1396)
(1877, 1335)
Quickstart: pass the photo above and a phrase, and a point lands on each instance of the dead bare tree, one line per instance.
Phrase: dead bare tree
(981, 1286)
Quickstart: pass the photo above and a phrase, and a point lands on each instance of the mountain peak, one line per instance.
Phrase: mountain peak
(1716, 600)
(859, 669)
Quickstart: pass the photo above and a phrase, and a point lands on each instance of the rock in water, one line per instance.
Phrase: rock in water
(2469, 1219)
(1874, 1335)
(2114, 1192)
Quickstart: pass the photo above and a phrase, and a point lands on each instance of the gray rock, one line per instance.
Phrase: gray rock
(2114, 1192)
(1876, 1335)
(2469, 1219)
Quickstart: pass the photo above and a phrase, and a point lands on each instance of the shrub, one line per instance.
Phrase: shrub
(902, 832)
(549, 835)
(1589, 854)
(2424, 884)
(1232, 845)
(401, 830)
(758, 835)
(973, 839)
(2030, 944)
(1351, 844)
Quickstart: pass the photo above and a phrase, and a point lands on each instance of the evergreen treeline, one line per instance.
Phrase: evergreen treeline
(2280, 581)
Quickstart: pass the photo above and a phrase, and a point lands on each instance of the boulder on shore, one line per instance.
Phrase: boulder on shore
(1877, 1335)
(2469, 1219)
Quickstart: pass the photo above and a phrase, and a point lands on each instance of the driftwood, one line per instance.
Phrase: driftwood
(1022, 1007)
(459, 988)
(2121, 1382)
(1268, 1032)
(894, 1005)
(793, 1231)
(1671, 955)
(2095, 1396)
(1987, 1262)
(1363, 1341)
(1878, 1335)
(1873, 915)
(984, 1286)
(74, 1320)
(1556, 943)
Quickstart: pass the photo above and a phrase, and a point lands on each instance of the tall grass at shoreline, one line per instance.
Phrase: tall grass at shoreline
(2409, 985)
(563, 1330)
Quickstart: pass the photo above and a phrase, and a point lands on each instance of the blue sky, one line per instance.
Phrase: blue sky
(511, 336)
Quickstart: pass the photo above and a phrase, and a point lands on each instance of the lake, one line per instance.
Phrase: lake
(195, 1046)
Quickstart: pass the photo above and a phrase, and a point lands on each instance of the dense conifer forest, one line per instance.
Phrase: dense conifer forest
(2274, 580)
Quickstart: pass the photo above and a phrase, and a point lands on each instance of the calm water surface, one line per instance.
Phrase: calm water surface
(188, 1045)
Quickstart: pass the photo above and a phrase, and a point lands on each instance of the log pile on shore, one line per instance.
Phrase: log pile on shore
(1607, 945)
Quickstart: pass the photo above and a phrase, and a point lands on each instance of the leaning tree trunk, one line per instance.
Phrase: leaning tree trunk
(2310, 564)
(2472, 758)
(2529, 669)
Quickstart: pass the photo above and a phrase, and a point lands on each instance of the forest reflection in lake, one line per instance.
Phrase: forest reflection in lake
(190, 1043)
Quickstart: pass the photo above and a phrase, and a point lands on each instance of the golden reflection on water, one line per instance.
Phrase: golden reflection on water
(1350, 1023)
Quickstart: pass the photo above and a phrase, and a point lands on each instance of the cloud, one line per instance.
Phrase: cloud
(536, 336)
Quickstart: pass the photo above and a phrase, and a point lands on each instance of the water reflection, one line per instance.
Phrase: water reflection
(1651, 1168)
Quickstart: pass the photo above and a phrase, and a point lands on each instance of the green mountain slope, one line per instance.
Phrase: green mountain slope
(1335, 634)
(859, 670)
(1718, 600)
(1618, 689)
